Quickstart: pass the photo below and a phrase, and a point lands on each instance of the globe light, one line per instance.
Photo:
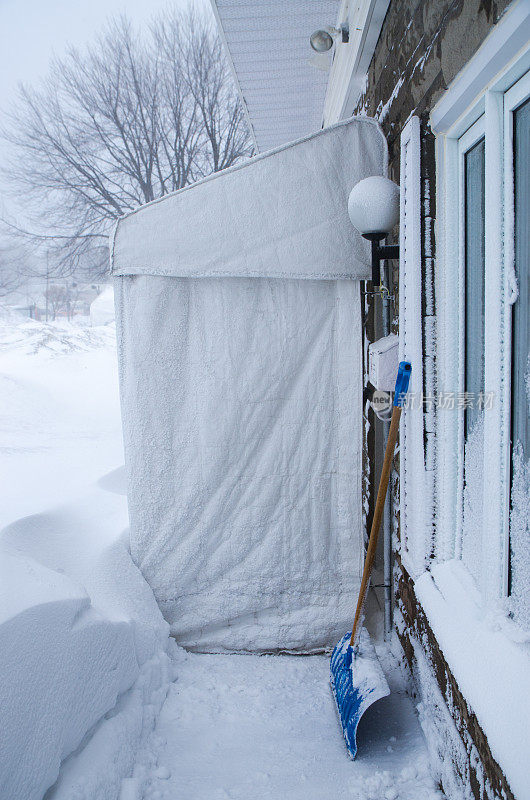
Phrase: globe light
(373, 206)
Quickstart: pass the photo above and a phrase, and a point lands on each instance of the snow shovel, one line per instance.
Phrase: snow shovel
(357, 679)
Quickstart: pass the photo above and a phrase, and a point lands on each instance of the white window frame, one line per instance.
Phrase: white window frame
(468, 140)
(472, 107)
(416, 473)
(513, 98)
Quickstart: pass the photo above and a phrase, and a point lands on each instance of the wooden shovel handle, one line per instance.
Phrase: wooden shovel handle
(378, 515)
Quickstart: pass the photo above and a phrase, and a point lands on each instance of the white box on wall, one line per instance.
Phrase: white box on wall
(383, 363)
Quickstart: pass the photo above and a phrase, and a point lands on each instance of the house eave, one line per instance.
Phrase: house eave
(351, 61)
(224, 40)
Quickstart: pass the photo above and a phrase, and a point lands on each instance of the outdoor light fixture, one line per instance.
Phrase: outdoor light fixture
(373, 206)
(322, 40)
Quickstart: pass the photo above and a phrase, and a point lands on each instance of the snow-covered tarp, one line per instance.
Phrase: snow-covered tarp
(238, 320)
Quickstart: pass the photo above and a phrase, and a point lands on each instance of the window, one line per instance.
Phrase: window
(521, 319)
(474, 230)
(472, 202)
(517, 136)
(482, 288)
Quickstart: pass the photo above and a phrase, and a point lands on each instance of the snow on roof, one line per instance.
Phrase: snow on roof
(268, 43)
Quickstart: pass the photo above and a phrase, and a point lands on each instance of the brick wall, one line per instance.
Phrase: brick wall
(422, 46)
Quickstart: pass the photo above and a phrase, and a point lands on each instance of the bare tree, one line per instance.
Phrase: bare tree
(56, 299)
(13, 268)
(129, 120)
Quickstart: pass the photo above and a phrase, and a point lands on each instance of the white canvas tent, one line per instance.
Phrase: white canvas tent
(238, 315)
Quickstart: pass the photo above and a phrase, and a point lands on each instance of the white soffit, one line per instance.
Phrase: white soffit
(268, 43)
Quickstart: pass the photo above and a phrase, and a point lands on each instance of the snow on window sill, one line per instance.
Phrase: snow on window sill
(491, 668)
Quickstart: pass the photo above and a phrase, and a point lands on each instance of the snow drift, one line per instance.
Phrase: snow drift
(79, 631)
(238, 334)
(102, 308)
(85, 659)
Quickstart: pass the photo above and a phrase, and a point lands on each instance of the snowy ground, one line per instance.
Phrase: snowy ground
(249, 727)
(59, 414)
(231, 726)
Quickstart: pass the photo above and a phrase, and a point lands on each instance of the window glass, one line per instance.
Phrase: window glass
(519, 534)
(521, 316)
(474, 183)
(474, 265)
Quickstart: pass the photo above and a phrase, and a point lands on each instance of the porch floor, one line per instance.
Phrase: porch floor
(265, 727)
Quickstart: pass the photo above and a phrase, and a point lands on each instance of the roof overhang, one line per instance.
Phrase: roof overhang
(347, 77)
(268, 46)
(284, 95)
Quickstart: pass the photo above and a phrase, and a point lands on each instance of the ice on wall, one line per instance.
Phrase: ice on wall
(519, 600)
(448, 755)
(472, 527)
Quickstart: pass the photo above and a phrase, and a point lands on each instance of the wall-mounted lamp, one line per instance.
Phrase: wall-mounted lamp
(373, 206)
(322, 40)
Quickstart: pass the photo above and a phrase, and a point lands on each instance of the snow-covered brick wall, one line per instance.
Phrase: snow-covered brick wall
(461, 759)
(448, 754)
(497, 686)
(421, 48)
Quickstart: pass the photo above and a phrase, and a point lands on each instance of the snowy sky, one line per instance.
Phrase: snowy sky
(33, 31)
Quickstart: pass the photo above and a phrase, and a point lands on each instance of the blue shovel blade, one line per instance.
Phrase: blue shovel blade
(357, 681)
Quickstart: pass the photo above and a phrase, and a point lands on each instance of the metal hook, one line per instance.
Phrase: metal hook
(383, 292)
